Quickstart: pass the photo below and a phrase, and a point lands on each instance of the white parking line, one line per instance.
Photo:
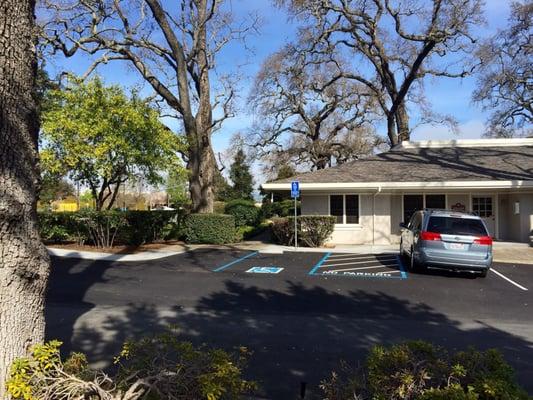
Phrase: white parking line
(368, 259)
(362, 256)
(390, 262)
(357, 269)
(507, 279)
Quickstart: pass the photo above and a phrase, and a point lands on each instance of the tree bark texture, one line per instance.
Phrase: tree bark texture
(24, 262)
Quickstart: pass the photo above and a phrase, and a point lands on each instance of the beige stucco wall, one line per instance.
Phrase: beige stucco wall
(318, 204)
(396, 208)
(388, 215)
(454, 198)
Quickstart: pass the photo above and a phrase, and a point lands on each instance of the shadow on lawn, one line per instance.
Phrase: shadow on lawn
(298, 332)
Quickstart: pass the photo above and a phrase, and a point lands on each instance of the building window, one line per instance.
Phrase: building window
(412, 203)
(345, 208)
(336, 207)
(415, 202)
(436, 201)
(482, 206)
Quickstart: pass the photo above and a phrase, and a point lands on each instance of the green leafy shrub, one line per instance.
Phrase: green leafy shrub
(149, 226)
(313, 230)
(209, 228)
(102, 226)
(156, 368)
(106, 228)
(282, 208)
(421, 371)
(244, 211)
(247, 231)
(57, 227)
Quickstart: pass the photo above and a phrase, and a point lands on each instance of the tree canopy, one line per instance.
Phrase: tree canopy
(101, 138)
(505, 79)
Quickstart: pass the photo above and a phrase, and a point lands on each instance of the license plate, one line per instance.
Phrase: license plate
(457, 246)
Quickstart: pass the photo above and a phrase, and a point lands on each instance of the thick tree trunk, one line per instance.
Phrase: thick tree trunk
(202, 166)
(402, 123)
(24, 262)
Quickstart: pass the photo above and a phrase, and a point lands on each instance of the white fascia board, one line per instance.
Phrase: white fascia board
(402, 185)
(499, 142)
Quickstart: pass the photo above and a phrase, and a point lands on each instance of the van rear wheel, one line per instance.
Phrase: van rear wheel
(483, 274)
(414, 264)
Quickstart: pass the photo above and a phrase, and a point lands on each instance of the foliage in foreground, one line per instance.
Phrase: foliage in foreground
(421, 371)
(313, 230)
(155, 368)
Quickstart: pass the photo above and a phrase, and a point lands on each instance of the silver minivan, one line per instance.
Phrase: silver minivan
(446, 239)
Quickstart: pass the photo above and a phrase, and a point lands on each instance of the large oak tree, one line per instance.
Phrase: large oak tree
(505, 77)
(308, 113)
(394, 45)
(174, 48)
(24, 262)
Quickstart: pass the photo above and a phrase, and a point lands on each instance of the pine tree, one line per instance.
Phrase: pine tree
(241, 177)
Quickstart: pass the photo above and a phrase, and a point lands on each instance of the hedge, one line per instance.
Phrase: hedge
(313, 230)
(209, 228)
(244, 211)
(105, 228)
(284, 208)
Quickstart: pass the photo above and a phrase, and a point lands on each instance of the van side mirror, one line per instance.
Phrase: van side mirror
(403, 225)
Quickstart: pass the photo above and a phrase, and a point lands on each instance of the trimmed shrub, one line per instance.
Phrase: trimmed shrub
(106, 228)
(155, 368)
(149, 226)
(284, 208)
(313, 230)
(244, 211)
(246, 232)
(422, 371)
(209, 228)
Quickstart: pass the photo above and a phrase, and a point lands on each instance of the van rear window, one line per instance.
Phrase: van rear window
(456, 226)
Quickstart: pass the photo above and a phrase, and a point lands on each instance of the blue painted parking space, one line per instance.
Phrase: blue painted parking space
(253, 262)
(383, 266)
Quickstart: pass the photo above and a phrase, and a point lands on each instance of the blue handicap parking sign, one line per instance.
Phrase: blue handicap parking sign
(265, 270)
(295, 189)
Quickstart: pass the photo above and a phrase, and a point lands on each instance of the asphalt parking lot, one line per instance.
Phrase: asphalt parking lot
(300, 312)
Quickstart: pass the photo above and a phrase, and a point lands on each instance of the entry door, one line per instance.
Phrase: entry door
(484, 207)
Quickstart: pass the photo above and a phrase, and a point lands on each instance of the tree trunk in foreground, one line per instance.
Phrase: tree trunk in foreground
(24, 262)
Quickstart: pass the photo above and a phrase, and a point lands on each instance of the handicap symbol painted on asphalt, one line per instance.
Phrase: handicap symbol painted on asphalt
(265, 270)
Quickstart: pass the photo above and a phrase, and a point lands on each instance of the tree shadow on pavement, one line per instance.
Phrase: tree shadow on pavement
(298, 332)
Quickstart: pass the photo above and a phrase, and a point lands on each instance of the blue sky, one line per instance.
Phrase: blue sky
(448, 96)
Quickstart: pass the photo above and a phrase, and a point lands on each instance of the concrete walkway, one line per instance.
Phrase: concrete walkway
(506, 252)
(510, 252)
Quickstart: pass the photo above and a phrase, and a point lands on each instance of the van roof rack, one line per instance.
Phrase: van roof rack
(431, 210)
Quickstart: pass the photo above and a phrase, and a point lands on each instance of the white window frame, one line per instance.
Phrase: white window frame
(344, 207)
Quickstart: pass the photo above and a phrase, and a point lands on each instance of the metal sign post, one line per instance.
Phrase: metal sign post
(295, 193)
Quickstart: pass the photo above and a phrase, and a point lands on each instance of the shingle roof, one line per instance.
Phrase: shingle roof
(429, 164)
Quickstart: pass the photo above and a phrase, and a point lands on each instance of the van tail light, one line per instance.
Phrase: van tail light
(486, 240)
(430, 236)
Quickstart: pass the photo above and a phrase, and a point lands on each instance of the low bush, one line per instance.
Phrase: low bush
(247, 231)
(209, 228)
(155, 368)
(284, 208)
(244, 211)
(149, 226)
(313, 230)
(106, 228)
(421, 371)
